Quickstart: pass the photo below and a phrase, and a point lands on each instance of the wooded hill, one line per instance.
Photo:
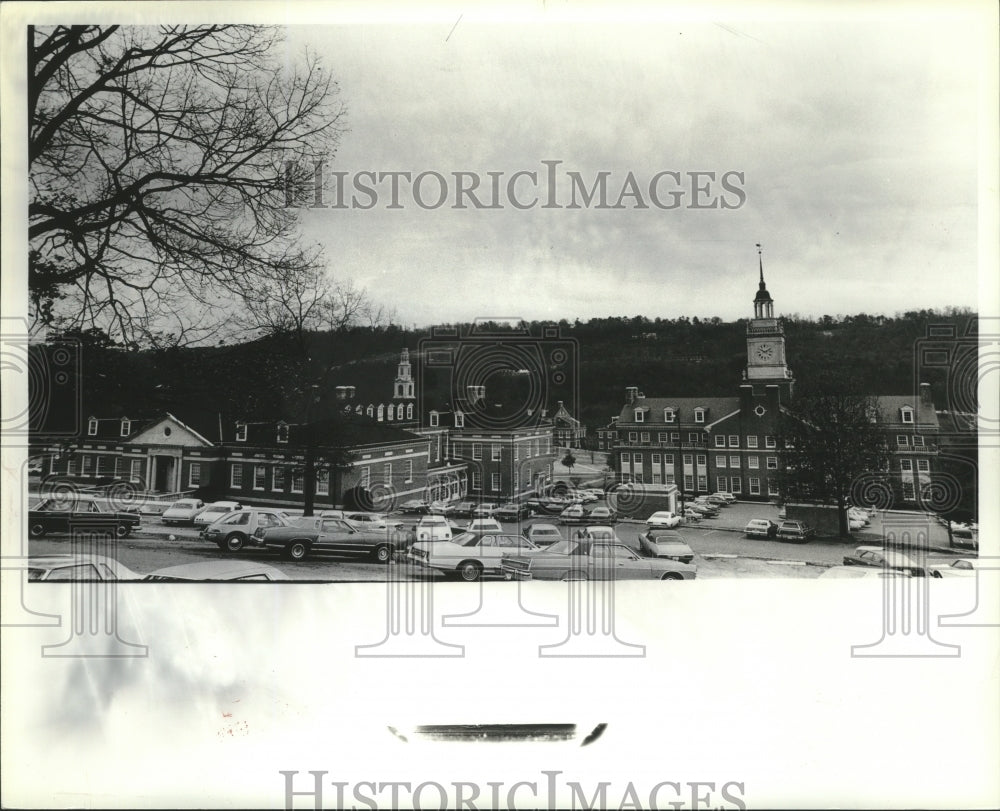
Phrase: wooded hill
(276, 377)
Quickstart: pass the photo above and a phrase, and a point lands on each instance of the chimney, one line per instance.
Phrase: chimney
(773, 392)
(341, 392)
(925, 394)
(746, 399)
(631, 394)
(350, 392)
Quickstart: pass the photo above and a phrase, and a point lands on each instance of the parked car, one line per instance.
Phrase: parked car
(77, 568)
(664, 543)
(482, 525)
(551, 506)
(329, 535)
(512, 511)
(856, 514)
(59, 515)
(965, 536)
(859, 572)
(760, 528)
(484, 510)
(597, 534)
(729, 498)
(798, 531)
(441, 508)
(887, 559)
(573, 514)
(585, 560)
(716, 499)
(962, 567)
(704, 509)
(470, 555)
(690, 515)
(235, 529)
(182, 511)
(377, 522)
(231, 570)
(542, 534)
(213, 512)
(464, 509)
(665, 519)
(433, 528)
(414, 506)
(601, 514)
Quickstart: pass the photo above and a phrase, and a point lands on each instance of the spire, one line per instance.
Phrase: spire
(760, 263)
(763, 306)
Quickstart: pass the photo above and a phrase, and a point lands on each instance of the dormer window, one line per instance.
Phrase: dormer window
(699, 415)
(370, 411)
(282, 432)
(638, 415)
(907, 414)
(434, 419)
(92, 426)
(409, 411)
(669, 415)
(126, 426)
(241, 432)
(381, 412)
(389, 415)
(459, 419)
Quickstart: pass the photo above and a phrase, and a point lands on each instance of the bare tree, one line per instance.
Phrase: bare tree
(167, 167)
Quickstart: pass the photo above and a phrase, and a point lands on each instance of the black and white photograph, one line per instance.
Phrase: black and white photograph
(546, 405)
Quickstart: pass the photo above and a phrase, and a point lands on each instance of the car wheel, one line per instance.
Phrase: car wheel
(470, 571)
(671, 576)
(297, 550)
(122, 530)
(383, 553)
(234, 542)
(36, 530)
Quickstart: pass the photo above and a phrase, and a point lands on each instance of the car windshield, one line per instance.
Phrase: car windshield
(562, 547)
(467, 539)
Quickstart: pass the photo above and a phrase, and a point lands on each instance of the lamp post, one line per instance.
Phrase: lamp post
(309, 474)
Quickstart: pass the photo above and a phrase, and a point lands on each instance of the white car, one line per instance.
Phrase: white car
(374, 521)
(83, 567)
(232, 570)
(962, 567)
(728, 497)
(213, 512)
(470, 555)
(183, 511)
(573, 514)
(861, 572)
(855, 514)
(664, 519)
(484, 525)
(433, 528)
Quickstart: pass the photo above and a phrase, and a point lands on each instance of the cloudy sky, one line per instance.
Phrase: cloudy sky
(856, 141)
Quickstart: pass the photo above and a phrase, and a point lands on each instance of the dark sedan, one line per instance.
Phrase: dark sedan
(332, 536)
(57, 515)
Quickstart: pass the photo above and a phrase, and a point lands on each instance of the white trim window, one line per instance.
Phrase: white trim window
(477, 480)
(772, 462)
(298, 481)
(322, 482)
(434, 419)
(694, 438)
(637, 458)
(675, 437)
(752, 441)
(241, 432)
(918, 441)
(408, 471)
(100, 469)
(770, 442)
(624, 458)
(495, 482)
(722, 484)
(365, 478)
(92, 426)
(409, 411)
(699, 415)
(380, 414)
(753, 462)
(923, 466)
(71, 466)
(735, 485)
(661, 437)
(259, 477)
(720, 460)
(734, 461)
(669, 415)
(906, 414)
(85, 465)
(282, 433)
(734, 440)
(909, 491)
(495, 452)
(657, 459)
(194, 474)
(644, 437)
(236, 475)
(387, 474)
(702, 483)
(459, 419)
(278, 478)
(902, 441)
(477, 451)
(720, 440)
(701, 460)
(906, 465)
(639, 415)
(633, 436)
(772, 487)
(126, 427)
(135, 472)
(754, 486)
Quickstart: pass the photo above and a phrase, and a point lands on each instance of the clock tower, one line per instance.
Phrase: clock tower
(766, 362)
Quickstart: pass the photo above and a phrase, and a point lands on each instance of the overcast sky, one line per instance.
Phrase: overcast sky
(857, 143)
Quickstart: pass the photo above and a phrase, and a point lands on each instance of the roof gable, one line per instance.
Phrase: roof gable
(169, 431)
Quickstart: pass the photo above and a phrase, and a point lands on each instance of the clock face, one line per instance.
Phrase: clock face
(764, 352)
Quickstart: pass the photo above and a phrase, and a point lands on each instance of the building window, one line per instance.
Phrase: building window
(675, 437)
(772, 462)
(92, 427)
(370, 411)
(390, 412)
(380, 414)
(365, 479)
(408, 469)
(769, 442)
(693, 438)
(119, 463)
(720, 461)
(399, 411)
(752, 441)
(688, 482)
(901, 440)
(298, 481)
(624, 458)
(495, 452)
(387, 474)
(495, 482)
(194, 474)
(135, 474)
(434, 419)
(282, 432)
(236, 476)
(688, 459)
(669, 415)
(909, 493)
(918, 442)
(734, 441)
(459, 419)
(772, 487)
(126, 426)
(735, 485)
(754, 486)
(100, 466)
(638, 478)
(661, 437)
(722, 484)
(409, 411)
(637, 458)
(668, 478)
(278, 478)
(241, 432)
(645, 438)
(720, 441)
(656, 458)
(477, 480)
(84, 465)
(639, 415)
(633, 436)
(906, 465)
(907, 415)
(668, 459)
(702, 482)
(259, 477)
(477, 450)
(923, 466)
(734, 461)
(753, 462)
(657, 478)
(322, 482)
(699, 415)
